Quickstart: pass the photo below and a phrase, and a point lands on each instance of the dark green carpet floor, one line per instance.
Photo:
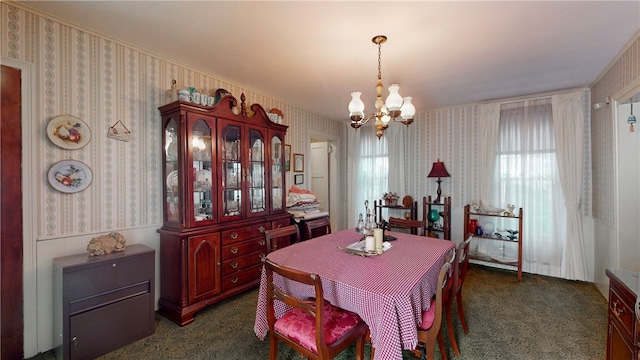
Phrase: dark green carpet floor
(538, 318)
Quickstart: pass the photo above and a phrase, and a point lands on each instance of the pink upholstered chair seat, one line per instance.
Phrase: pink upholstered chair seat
(301, 327)
(427, 317)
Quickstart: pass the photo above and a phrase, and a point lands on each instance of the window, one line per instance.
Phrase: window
(526, 175)
(373, 168)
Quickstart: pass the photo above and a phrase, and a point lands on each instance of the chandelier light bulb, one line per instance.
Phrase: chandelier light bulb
(407, 109)
(356, 106)
(394, 100)
(385, 118)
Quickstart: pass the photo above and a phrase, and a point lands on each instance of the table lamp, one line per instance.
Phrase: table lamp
(438, 171)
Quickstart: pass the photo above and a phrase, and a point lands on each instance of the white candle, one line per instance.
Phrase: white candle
(377, 235)
(370, 244)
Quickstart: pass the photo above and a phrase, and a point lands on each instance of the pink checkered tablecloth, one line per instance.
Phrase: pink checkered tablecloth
(388, 291)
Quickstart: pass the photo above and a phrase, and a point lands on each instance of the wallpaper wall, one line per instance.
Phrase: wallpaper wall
(623, 71)
(102, 82)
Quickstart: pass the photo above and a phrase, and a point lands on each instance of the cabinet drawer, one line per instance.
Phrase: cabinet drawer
(621, 310)
(240, 263)
(107, 275)
(242, 248)
(241, 277)
(96, 332)
(244, 233)
(91, 302)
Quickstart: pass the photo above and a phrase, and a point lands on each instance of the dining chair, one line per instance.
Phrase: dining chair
(429, 328)
(317, 227)
(460, 268)
(281, 237)
(416, 227)
(313, 327)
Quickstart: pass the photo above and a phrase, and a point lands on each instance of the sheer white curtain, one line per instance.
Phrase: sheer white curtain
(568, 127)
(369, 169)
(489, 125)
(395, 136)
(526, 175)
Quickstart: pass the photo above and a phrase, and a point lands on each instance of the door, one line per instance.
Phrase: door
(320, 173)
(11, 257)
(324, 179)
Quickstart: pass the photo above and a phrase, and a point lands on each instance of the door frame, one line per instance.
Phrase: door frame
(29, 279)
(335, 194)
(617, 99)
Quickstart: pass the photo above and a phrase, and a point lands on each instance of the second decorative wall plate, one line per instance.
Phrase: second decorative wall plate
(68, 132)
(69, 176)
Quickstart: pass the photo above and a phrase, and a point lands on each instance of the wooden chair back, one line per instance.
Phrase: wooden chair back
(281, 237)
(317, 227)
(427, 337)
(460, 266)
(416, 227)
(315, 307)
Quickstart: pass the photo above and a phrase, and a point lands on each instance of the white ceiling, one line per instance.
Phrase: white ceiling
(315, 53)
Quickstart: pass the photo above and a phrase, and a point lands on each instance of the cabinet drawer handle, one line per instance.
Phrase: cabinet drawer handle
(617, 310)
(234, 250)
(234, 280)
(234, 264)
(74, 340)
(234, 235)
(114, 265)
(275, 246)
(261, 229)
(262, 242)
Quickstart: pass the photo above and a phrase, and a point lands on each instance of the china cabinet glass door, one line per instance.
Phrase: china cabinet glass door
(277, 176)
(202, 170)
(257, 172)
(173, 204)
(231, 172)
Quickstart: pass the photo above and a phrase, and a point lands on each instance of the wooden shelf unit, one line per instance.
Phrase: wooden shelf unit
(486, 258)
(445, 216)
(378, 206)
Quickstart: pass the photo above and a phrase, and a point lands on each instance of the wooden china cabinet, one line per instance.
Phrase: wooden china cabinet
(223, 176)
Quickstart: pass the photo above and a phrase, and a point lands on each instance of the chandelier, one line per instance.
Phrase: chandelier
(394, 108)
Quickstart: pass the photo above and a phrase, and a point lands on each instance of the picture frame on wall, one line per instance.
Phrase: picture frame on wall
(298, 179)
(298, 162)
(287, 157)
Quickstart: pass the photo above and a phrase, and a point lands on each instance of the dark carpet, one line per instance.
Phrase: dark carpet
(538, 318)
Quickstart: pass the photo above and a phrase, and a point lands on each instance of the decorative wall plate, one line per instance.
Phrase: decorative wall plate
(68, 132)
(69, 176)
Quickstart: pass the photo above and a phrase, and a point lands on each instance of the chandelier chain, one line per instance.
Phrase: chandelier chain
(379, 62)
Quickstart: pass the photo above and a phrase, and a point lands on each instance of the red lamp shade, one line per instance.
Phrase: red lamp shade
(438, 171)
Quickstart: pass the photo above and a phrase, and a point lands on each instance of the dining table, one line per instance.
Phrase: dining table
(388, 291)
